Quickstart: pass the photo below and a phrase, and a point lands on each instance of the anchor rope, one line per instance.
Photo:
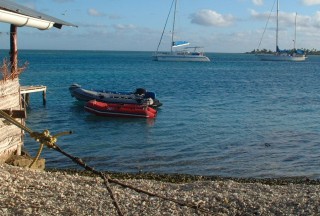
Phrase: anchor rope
(45, 138)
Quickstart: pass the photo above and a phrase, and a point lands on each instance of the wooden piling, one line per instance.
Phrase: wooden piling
(13, 49)
(44, 97)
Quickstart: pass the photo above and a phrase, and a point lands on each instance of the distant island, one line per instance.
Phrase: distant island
(265, 51)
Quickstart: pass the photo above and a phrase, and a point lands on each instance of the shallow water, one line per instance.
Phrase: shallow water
(235, 116)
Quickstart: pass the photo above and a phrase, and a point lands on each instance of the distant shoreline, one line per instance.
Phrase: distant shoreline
(265, 51)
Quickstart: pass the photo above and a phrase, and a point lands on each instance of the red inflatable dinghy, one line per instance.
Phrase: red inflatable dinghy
(120, 110)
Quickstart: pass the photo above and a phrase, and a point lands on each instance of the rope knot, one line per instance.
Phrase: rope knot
(44, 138)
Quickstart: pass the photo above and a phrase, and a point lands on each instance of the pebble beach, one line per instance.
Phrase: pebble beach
(29, 192)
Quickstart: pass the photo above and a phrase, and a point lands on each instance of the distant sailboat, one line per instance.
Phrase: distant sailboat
(195, 54)
(284, 55)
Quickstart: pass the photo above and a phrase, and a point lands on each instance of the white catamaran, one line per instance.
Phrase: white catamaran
(283, 55)
(195, 54)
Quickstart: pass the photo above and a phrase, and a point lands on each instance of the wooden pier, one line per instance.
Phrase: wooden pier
(26, 90)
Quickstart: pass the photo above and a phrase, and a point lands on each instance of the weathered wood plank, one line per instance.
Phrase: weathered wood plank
(16, 113)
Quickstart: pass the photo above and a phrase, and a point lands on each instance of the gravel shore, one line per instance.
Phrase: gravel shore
(29, 192)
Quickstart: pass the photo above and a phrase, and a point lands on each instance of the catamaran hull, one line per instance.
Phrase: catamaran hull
(175, 58)
(271, 57)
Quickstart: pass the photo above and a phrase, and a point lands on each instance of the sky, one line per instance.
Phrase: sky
(220, 26)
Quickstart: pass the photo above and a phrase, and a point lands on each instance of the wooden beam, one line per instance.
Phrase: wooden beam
(16, 113)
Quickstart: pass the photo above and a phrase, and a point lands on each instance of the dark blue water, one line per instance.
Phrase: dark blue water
(235, 116)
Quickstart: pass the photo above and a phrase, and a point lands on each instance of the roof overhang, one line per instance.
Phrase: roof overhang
(13, 13)
(22, 20)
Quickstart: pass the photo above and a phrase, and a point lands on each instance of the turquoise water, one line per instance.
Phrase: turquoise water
(235, 116)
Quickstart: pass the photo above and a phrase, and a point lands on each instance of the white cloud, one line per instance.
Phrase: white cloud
(114, 17)
(124, 27)
(311, 2)
(259, 16)
(62, 1)
(208, 17)
(287, 19)
(94, 12)
(257, 2)
(316, 19)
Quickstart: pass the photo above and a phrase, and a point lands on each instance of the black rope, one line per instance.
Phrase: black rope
(50, 141)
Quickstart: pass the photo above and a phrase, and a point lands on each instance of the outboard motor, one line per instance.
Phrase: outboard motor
(140, 91)
(150, 95)
(149, 101)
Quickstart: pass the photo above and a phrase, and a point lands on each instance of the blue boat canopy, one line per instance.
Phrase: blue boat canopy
(282, 51)
(299, 51)
(180, 43)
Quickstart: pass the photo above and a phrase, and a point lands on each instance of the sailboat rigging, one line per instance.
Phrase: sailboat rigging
(283, 55)
(196, 55)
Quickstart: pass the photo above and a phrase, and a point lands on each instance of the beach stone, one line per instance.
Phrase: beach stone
(25, 161)
(4, 175)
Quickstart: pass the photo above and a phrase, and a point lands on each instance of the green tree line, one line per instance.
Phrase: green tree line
(306, 51)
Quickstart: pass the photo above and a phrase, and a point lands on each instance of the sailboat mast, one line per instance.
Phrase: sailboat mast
(164, 28)
(174, 20)
(295, 31)
(277, 38)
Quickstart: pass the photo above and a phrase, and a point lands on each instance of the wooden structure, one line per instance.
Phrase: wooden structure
(11, 137)
(26, 90)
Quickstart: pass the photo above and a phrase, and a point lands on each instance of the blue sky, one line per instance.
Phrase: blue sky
(229, 26)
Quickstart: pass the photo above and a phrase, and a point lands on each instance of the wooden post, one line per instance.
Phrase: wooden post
(23, 101)
(27, 99)
(44, 98)
(13, 49)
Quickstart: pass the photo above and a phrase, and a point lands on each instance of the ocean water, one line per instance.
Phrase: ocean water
(235, 116)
